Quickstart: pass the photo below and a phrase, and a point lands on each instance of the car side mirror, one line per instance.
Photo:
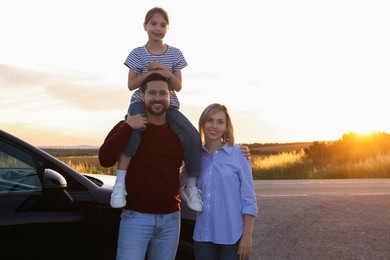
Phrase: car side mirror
(53, 180)
(54, 183)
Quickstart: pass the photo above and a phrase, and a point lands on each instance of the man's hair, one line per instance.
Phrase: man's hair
(153, 77)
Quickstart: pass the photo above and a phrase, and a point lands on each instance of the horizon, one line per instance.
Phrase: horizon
(83, 146)
(97, 147)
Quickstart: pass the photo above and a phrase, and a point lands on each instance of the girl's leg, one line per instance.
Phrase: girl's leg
(118, 197)
(190, 140)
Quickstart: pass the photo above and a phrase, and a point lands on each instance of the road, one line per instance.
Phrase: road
(322, 219)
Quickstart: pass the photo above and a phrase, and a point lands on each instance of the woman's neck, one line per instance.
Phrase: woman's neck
(213, 145)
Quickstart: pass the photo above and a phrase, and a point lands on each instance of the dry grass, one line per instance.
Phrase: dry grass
(284, 164)
(87, 164)
(277, 148)
(279, 160)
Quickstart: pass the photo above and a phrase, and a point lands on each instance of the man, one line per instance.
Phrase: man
(150, 221)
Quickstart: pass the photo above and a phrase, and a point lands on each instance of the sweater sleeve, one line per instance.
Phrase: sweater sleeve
(114, 144)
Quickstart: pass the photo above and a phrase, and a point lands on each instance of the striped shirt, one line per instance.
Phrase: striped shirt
(139, 59)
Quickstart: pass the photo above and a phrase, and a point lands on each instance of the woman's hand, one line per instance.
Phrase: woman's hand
(245, 247)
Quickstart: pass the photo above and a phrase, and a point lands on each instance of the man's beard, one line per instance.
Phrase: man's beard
(149, 108)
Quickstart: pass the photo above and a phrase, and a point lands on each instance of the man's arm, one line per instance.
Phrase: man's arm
(245, 151)
(117, 139)
(114, 144)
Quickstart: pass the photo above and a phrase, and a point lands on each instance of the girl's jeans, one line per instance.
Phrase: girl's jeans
(184, 130)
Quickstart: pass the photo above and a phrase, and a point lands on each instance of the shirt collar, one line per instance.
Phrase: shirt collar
(227, 148)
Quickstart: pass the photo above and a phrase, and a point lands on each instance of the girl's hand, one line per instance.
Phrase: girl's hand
(136, 121)
(155, 65)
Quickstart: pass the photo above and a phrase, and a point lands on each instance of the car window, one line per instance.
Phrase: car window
(17, 171)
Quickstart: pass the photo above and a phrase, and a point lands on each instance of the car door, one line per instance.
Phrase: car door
(40, 220)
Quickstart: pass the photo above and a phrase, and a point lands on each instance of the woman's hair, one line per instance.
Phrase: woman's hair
(228, 136)
(154, 10)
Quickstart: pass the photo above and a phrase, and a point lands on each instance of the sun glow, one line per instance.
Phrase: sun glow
(289, 86)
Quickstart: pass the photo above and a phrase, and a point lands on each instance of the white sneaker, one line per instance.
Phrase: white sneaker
(192, 198)
(118, 196)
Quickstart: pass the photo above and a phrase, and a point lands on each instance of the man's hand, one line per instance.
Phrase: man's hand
(245, 150)
(136, 121)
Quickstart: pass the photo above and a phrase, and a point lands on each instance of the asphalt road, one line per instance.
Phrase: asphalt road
(322, 219)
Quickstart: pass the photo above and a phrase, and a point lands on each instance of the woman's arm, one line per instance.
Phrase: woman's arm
(245, 245)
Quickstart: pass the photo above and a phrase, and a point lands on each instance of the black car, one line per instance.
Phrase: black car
(50, 211)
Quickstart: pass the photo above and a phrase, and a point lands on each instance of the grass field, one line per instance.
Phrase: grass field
(86, 160)
(273, 149)
(269, 161)
(87, 164)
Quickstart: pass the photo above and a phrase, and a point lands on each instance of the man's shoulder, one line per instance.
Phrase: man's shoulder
(121, 125)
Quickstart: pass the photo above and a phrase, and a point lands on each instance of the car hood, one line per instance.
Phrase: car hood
(102, 180)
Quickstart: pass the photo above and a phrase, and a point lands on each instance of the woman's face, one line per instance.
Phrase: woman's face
(215, 126)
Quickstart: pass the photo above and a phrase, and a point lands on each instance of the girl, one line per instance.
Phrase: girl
(156, 56)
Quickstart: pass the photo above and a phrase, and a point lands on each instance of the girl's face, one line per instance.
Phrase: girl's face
(156, 27)
(215, 126)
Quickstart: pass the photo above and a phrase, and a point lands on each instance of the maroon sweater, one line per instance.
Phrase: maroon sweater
(152, 180)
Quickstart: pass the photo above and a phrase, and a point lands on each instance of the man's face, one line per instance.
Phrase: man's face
(157, 97)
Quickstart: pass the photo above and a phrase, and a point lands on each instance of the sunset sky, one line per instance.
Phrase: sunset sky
(288, 70)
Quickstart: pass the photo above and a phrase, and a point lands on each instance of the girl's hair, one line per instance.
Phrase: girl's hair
(154, 10)
(228, 136)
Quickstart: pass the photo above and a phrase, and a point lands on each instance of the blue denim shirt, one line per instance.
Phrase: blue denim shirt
(226, 183)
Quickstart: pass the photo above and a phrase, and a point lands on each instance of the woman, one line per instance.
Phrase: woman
(223, 229)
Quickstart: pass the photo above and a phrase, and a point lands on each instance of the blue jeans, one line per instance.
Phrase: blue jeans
(156, 235)
(212, 251)
(135, 108)
(184, 130)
